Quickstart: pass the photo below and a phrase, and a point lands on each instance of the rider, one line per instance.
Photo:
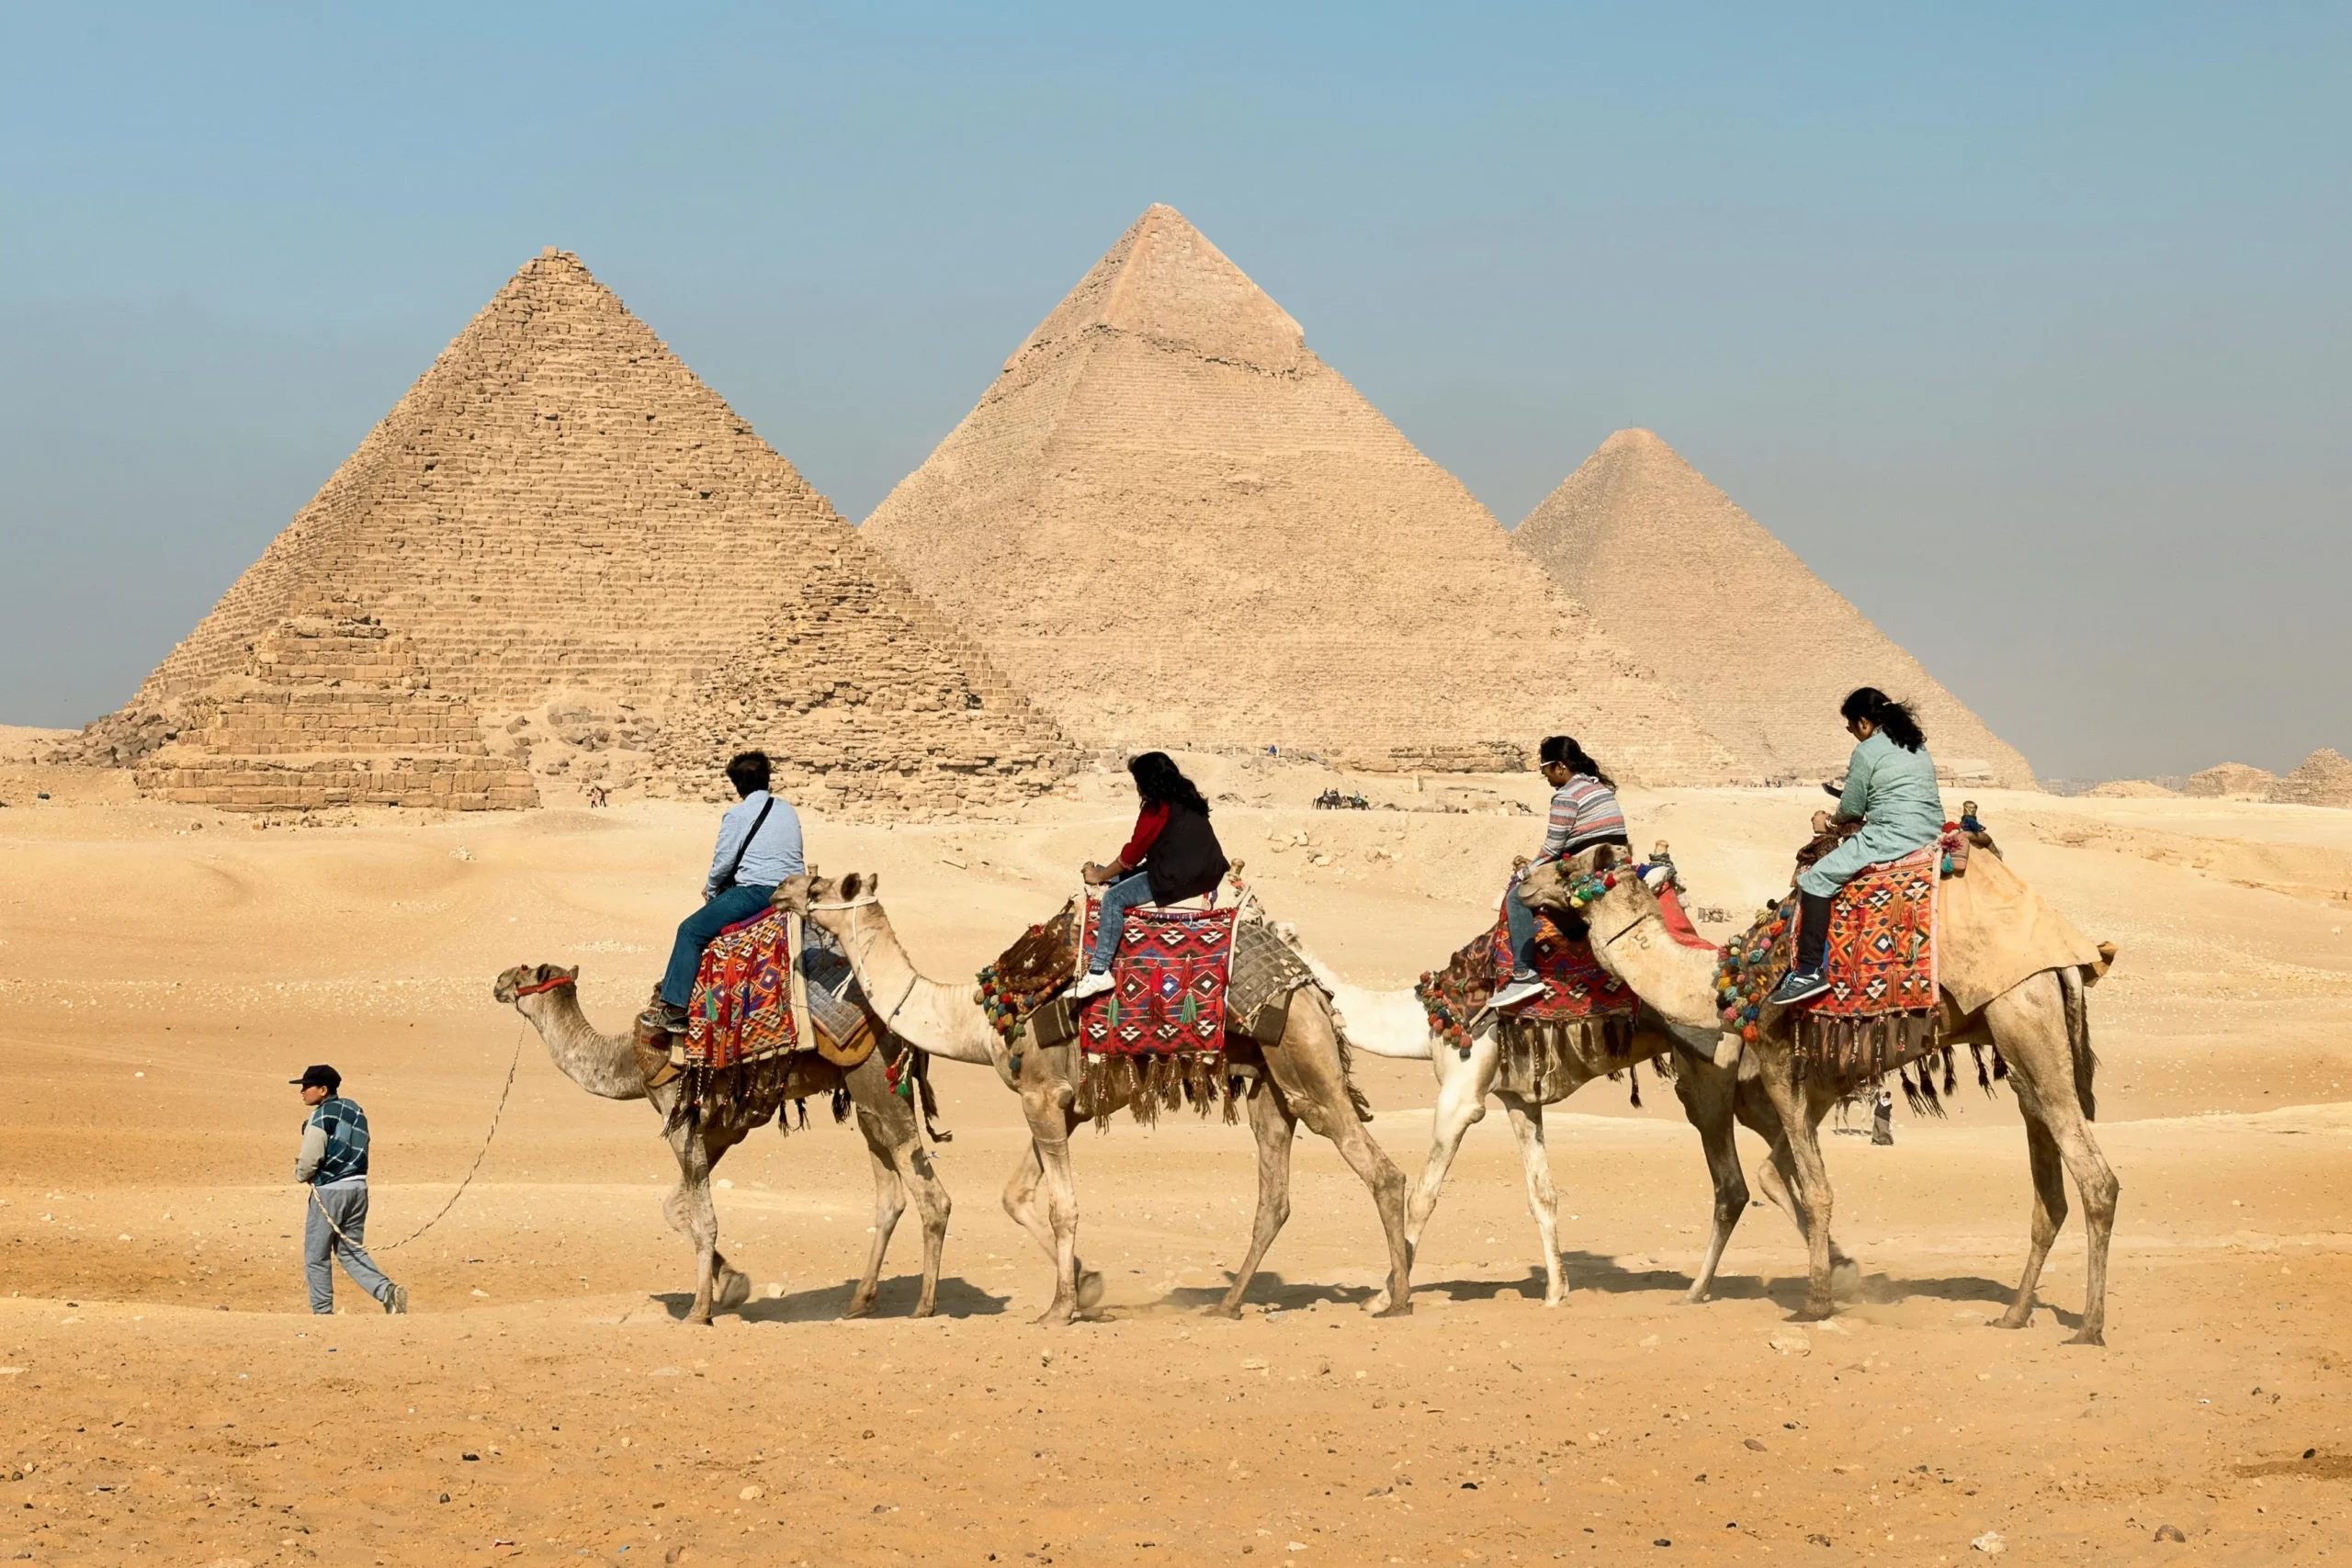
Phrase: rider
(759, 846)
(1891, 790)
(1174, 854)
(1583, 813)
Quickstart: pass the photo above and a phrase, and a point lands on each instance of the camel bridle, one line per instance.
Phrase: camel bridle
(548, 985)
(867, 901)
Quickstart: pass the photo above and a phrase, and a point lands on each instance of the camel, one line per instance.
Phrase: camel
(2040, 1025)
(1394, 1025)
(608, 1066)
(1303, 1077)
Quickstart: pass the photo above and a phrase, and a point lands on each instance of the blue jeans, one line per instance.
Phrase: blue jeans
(1522, 933)
(346, 1203)
(696, 932)
(1118, 899)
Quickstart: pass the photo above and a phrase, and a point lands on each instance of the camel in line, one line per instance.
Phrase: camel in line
(1302, 1078)
(2040, 1026)
(609, 1066)
(1393, 1024)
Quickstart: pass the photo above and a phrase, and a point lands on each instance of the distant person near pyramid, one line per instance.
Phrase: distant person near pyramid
(1754, 644)
(1169, 523)
(561, 541)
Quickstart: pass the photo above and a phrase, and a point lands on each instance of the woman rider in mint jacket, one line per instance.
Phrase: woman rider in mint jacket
(1891, 790)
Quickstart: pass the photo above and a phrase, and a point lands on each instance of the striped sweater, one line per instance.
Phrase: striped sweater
(1584, 812)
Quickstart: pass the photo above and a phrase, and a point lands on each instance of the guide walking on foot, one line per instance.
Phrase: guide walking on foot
(334, 1165)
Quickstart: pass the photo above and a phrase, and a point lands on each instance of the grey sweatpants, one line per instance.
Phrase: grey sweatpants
(346, 1203)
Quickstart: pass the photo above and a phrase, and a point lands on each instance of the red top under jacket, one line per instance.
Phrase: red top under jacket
(1149, 823)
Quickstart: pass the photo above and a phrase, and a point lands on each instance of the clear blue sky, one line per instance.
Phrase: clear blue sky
(2026, 326)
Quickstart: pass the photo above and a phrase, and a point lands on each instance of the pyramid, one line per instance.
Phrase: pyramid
(1761, 650)
(559, 519)
(2324, 778)
(1172, 525)
(2231, 781)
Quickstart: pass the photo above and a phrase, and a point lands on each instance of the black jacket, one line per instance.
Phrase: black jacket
(1185, 860)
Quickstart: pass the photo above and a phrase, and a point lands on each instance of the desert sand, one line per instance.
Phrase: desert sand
(167, 969)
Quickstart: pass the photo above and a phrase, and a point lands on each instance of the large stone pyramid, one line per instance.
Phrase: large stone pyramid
(1761, 650)
(2324, 778)
(1171, 524)
(559, 519)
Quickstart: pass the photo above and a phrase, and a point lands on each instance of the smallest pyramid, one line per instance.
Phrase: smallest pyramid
(2231, 781)
(2324, 778)
(332, 709)
(1760, 648)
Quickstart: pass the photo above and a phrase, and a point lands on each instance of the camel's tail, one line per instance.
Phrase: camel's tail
(2078, 1041)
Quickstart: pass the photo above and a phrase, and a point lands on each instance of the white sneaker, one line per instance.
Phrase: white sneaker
(1095, 983)
(1516, 993)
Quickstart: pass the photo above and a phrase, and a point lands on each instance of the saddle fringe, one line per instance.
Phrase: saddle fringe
(1149, 1084)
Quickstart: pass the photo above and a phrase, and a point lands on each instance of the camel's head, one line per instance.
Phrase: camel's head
(531, 979)
(832, 905)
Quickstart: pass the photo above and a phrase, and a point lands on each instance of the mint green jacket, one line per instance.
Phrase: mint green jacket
(1893, 792)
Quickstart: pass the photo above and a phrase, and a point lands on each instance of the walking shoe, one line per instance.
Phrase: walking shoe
(396, 1305)
(1096, 982)
(664, 1019)
(1521, 989)
(1799, 985)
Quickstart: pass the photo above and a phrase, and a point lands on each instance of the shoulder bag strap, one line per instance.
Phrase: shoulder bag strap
(745, 847)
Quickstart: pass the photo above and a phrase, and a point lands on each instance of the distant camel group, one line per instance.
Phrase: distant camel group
(2039, 1028)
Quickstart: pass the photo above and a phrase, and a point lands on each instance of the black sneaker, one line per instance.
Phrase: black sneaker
(1799, 985)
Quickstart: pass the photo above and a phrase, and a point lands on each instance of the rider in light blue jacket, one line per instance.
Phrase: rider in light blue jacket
(1891, 790)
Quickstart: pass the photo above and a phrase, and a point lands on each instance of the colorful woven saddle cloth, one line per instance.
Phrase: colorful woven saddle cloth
(1170, 992)
(742, 1009)
(1879, 962)
(1576, 988)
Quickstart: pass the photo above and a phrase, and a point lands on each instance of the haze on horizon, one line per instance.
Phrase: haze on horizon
(2025, 329)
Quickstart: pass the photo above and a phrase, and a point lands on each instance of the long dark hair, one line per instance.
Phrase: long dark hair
(1564, 749)
(1896, 719)
(1161, 782)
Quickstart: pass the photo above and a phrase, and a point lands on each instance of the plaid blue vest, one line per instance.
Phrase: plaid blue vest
(347, 1128)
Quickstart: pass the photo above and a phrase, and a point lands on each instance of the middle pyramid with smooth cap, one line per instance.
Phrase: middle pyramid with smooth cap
(1172, 525)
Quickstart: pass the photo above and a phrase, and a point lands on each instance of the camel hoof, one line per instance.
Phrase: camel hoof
(1812, 1313)
(1397, 1309)
(2087, 1336)
(924, 1309)
(1226, 1310)
(1055, 1316)
(1698, 1295)
(1089, 1289)
(859, 1306)
(2012, 1320)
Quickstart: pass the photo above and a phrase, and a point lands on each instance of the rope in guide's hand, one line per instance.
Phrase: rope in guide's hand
(512, 1068)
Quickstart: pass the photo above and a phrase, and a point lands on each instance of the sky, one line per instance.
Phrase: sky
(2026, 326)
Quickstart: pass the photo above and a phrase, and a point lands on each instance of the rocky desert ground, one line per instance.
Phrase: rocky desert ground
(164, 1396)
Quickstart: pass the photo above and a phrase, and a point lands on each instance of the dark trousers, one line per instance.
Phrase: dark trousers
(696, 933)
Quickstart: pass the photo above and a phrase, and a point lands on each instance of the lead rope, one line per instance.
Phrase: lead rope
(511, 1069)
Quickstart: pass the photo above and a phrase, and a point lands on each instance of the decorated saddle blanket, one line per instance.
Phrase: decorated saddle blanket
(1168, 986)
(742, 1010)
(1185, 977)
(1576, 988)
(1883, 1005)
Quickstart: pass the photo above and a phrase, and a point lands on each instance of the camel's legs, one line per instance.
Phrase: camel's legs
(2028, 1023)
(917, 1170)
(1276, 1128)
(1778, 1175)
(1527, 1125)
(890, 1203)
(2048, 1213)
(1777, 1072)
(1461, 1104)
(1386, 1185)
(1707, 1092)
(689, 1212)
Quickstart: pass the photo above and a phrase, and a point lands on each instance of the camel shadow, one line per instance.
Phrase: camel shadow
(1591, 1271)
(825, 1303)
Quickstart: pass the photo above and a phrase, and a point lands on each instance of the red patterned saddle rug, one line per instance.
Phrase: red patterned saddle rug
(741, 1054)
(1884, 1007)
(1584, 1006)
(1168, 983)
